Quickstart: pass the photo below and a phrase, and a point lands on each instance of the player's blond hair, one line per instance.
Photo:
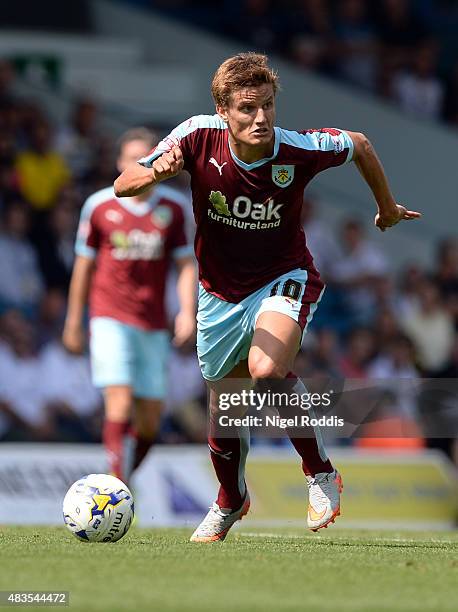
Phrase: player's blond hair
(242, 70)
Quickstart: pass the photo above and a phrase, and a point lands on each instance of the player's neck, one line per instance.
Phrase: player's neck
(250, 153)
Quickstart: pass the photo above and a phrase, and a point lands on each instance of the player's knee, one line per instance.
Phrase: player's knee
(118, 403)
(265, 367)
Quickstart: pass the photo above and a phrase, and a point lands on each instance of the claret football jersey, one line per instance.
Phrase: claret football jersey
(248, 215)
(133, 244)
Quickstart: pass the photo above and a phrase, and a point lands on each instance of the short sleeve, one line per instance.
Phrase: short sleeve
(87, 235)
(183, 136)
(178, 243)
(333, 147)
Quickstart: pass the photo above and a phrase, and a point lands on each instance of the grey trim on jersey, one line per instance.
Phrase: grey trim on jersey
(177, 134)
(260, 162)
(312, 141)
(318, 141)
(99, 197)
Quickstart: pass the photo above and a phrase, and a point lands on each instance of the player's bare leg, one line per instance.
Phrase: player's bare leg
(274, 347)
(228, 455)
(146, 423)
(118, 410)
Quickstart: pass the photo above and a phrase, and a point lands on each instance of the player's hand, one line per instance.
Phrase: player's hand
(185, 328)
(74, 339)
(168, 165)
(385, 221)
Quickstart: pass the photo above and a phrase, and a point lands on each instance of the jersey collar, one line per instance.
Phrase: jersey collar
(139, 209)
(260, 162)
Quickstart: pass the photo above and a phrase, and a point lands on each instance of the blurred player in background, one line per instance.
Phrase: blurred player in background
(124, 249)
(258, 285)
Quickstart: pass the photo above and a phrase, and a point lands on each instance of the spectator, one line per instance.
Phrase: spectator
(446, 275)
(319, 357)
(411, 280)
(360, 350)
(387, 328)
(399, 30)
(356, 44)
(309, 33)
(356, 272)
(42, 172)
(8, 178)
(431, 329)
(102, 172)
(396, 365)
(72, 401)
(451, 97)
(80, 142)
(256, 24)
(185, 403)
(6, 82)
(22, 400)
(319, 237)
(21, 283)
(50, 321)
(55, 244)
(419, 91)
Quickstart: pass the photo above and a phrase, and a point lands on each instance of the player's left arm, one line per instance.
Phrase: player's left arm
(185, 321)
(366, 160)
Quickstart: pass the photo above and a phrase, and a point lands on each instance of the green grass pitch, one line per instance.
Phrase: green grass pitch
(282, 570)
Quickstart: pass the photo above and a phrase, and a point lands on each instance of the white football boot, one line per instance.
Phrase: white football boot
(324, 499)
(218, 521)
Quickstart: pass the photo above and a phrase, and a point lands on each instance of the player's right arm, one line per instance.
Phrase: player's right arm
(87, 243)
(136, 178)
(175, 152)
(73, 336)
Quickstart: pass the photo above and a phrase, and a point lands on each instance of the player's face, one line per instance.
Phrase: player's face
(131, 152)
(251, 115)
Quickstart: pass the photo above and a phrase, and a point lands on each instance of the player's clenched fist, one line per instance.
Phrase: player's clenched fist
(168, 165)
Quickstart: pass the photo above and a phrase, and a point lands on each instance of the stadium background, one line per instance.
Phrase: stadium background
(70, 84)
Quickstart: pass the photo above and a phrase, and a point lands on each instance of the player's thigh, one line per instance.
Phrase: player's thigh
(112, 353)
(286, 308)
(151, 352)
(223, 337)
(275, 344)
(147, 416)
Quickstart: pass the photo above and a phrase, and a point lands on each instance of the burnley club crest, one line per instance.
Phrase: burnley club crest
(282, 175)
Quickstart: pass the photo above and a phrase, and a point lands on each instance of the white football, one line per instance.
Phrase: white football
(98, 508)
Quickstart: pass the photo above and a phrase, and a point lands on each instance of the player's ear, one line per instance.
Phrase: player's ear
(222, 112)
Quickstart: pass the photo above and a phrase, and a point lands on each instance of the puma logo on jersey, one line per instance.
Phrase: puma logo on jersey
(113, 215)
(213, 161)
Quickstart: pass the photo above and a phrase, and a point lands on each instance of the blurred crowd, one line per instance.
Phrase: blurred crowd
(405, 51)
(370, 324)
